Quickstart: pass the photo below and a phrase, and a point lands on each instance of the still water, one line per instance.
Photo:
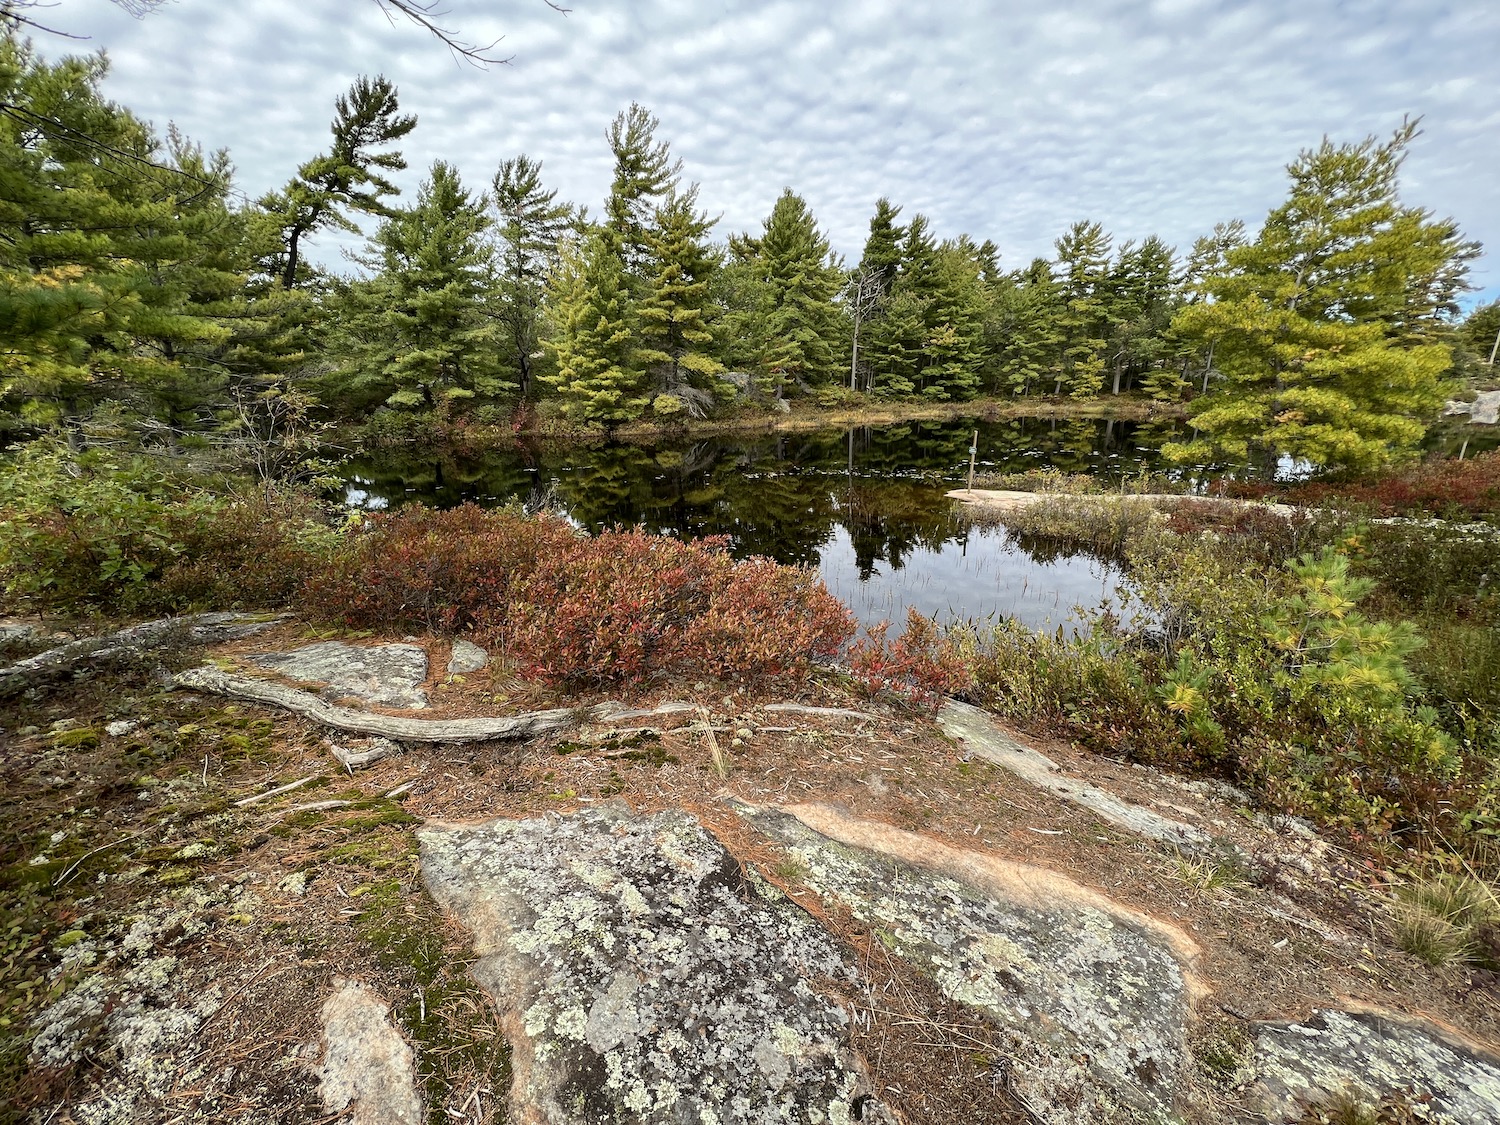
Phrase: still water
(864, 506)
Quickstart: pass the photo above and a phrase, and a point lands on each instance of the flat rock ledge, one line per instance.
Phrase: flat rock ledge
(368, 1073)
(1370, 1054)
(644, 977)
(386, 675)
(1095, 997)
(977, 733)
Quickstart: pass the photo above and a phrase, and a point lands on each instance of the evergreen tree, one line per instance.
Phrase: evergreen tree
(114, 255)
(1023, 331)
(531, 224)
(1084, 323)
(674, 340)
(644, 175)
(593, 341)
(1143, 293)
(1331, 329)
(417, 333)
(929, 339)
(802, 278)
(349, 177)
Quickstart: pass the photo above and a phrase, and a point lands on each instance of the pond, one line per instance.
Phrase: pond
(865, 506)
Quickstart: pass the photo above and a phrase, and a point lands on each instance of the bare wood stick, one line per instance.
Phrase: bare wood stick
(269, 793)
(396, 727)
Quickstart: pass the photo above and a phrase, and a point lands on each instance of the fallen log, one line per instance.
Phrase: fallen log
(400, 728)
(200, 628)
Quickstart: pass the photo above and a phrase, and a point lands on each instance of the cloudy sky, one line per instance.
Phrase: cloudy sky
(1007, 120)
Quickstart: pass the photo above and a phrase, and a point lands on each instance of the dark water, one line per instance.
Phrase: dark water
(865, 506)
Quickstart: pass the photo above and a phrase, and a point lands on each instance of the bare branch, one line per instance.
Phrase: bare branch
(426, 13)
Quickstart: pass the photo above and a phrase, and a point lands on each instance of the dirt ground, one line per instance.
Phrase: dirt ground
(100, 830)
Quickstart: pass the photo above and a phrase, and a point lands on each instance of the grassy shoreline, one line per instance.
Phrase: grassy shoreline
(756, 419)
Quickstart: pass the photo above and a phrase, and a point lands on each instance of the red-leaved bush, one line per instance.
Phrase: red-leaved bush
(618, 607)
(1466, 489)
(924, 665)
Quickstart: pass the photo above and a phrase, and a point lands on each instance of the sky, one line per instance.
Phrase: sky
(1004, 120)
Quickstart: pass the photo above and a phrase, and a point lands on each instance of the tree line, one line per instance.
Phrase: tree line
(143, 298)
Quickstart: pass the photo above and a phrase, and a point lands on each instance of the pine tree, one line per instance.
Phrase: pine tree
(1024, 333)
(113, 254)
(593, 341)
(349, 177)
(929, 340)
(674, 340)
(1330, 330)
(417, 334)
(802, 278)
(531, 224)
(1084, 324)
(645, 174)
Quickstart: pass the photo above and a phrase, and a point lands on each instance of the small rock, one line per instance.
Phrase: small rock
(121, 727)
(467, 657)
(367, 1069)
(294, 884)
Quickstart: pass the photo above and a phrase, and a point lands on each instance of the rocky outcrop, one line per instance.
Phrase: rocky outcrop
(977, 733)
(1095, 996)
(386, 675)
(1368, 1055)
(643, 976)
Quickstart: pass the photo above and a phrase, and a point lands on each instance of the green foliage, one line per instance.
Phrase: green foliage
(350, 176)
(123, 536)
(1329, 331)
(674, 337)
(531, 224)
(800, 277)
(593, 340)
(417, 334)
(1227, 658)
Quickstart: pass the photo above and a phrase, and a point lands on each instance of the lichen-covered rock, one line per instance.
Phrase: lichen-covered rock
(387, 675)
(1371, 1055)
(466, 657)
(1094, 996)
(644, 977)
(367, 1070)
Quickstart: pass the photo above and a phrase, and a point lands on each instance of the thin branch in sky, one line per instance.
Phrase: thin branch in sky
(426, 14)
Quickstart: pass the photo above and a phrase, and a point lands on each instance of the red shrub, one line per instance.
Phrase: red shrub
(626, 605)
(622, 606)
(429, 569)
(923, 665)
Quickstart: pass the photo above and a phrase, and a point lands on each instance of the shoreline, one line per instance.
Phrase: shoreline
(800, 419)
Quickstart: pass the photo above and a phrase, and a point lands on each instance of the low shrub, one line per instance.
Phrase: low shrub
(619, 607)
(1447, 488)
(87, 531)
(625, 605)
(923, 666)
(421, 568)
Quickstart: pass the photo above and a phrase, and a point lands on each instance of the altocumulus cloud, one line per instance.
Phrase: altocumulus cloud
(1005, 120)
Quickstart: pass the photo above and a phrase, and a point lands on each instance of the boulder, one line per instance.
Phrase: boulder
(466, 657)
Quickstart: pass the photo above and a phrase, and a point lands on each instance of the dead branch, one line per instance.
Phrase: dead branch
(399, 728)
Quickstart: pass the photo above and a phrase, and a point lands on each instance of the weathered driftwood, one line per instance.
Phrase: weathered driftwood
(400, 728)
(200, 628)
